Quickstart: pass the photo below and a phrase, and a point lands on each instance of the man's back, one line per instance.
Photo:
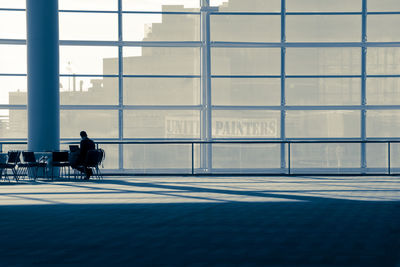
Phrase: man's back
(86, 145)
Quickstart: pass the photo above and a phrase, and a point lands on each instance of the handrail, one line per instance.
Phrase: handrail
(293, 141)
(244, 142)
(200, 142)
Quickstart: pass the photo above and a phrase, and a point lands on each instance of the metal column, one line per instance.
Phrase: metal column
(363, 88)
(120, 89)
(206, 113)
(283, 90)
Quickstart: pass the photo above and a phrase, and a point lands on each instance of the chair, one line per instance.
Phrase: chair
(13, 158)
(92, 161)
(60, 159)
(30, 166)
(102, 157)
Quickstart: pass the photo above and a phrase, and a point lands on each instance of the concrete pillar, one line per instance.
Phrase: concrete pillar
(43, 75)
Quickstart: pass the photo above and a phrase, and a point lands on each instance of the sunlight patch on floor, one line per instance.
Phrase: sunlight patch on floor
(140, 190)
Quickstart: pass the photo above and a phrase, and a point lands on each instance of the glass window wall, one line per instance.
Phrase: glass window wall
(233, 70)
(247, 6)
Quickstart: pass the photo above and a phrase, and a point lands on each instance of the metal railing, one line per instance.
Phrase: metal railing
(286, 170)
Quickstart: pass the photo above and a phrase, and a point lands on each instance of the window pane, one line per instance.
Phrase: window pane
(13, 59)
(88, 91)
(377, 156)
(246, 124)
(12, 24)
(161, 60)
(243, 28)
(111, 160)
(326, 158)
(161, 124)
(97, 123)
(13, 90)
(161, 27)
(88, 60)
(395, 152)
(383, 5)
(12, 3)
(237, 157)
(245, 61)
(109, 5)
(246, 91)
(323, 91)
(383, 60)
(381, 28)
(323, 61)
(383, 123)
(88, 26)
(161, 91)
(13, 123)
(324, 6)
(161, 5)
(318, 28)
(248, 5)
(166, 157)
(323, 124)
(383, 91)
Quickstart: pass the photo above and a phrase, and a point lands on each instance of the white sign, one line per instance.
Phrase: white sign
(257, 128)
(181, 127)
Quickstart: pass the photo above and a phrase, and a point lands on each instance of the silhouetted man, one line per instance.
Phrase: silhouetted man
(85, 145)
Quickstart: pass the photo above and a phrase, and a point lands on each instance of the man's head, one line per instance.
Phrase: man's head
(83, 134)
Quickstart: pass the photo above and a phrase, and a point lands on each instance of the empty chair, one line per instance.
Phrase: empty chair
(13, 158)
(30, 166)
(102, 156)
(60, 159)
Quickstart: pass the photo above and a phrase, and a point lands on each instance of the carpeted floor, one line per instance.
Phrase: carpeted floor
(180, 221)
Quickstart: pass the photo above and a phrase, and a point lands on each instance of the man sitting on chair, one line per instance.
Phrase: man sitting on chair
(85, 145)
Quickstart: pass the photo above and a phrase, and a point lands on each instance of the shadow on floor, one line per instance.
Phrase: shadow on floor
(316, 232)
